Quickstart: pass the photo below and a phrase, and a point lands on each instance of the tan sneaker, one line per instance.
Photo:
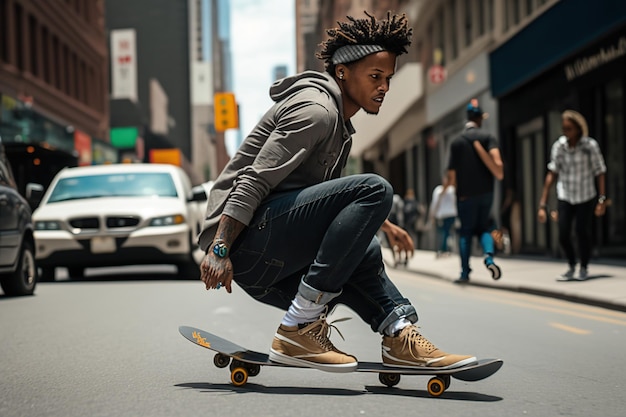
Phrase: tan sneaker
(310, 347)
(411, 349)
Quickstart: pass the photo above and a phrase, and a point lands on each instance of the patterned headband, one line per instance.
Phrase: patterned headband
(351, 53)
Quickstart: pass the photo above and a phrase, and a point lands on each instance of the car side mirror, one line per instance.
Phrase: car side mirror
(198, 195)
(34, 193)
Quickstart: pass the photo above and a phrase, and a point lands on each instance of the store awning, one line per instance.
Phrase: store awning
(542, 43)
(406, 89)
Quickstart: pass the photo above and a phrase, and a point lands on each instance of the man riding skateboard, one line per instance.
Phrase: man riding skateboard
(293, 233)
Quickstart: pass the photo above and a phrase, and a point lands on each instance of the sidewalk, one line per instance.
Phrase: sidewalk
(605, 287)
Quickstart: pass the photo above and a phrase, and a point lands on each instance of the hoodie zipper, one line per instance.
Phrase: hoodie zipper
(330, 170)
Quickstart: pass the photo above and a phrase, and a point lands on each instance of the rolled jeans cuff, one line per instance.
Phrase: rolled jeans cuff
(314, 295)
(406, 311)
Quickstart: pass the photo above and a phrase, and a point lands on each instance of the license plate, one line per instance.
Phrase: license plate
(103, 245)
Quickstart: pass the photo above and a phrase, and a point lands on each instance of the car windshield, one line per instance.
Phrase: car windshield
(114, 185)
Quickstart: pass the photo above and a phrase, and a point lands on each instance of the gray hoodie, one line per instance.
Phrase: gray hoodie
(302, 140)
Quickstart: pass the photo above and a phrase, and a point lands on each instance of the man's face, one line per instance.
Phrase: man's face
(365, 82)
(570, 129)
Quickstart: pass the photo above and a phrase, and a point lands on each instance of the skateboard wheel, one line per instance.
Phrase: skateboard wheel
(436, 386)
(221, 361)
(389, 379)
(253, 370)
(239, 377)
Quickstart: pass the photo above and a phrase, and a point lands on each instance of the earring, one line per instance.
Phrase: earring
(341, 75)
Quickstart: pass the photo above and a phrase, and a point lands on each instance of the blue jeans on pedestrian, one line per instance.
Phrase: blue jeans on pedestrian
(474, 213)
(443, 233)
(320, 242)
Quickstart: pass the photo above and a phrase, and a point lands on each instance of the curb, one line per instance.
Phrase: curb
(529, 290)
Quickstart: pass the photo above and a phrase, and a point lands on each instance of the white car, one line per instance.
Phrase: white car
(121, 214)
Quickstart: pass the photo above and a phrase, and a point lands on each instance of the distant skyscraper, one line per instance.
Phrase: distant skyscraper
(280, 71)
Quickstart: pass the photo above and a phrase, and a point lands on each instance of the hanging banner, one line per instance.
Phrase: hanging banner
(123, 64)
(82, 145)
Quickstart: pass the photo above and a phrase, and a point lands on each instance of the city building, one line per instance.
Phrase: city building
(54, 108)
(524, 67)
(167, 60)
(534, 80)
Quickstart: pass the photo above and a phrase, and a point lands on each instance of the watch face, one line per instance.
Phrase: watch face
(220, 250)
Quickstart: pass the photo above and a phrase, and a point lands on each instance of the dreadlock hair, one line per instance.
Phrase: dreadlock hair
(393, 34)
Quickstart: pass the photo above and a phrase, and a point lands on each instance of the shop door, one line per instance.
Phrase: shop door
(531, 160)
(612, 236)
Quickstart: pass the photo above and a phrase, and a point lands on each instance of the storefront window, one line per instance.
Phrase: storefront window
(531, 146)
(614, 156)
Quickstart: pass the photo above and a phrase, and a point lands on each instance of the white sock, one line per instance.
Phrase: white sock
(397, 326)
(301, 311)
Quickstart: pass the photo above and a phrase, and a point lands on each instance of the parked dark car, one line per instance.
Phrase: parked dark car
(18, 272)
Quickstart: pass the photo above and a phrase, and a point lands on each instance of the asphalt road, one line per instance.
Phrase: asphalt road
(109, 346)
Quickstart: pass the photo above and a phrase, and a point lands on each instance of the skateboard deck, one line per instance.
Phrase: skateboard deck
(244, 363)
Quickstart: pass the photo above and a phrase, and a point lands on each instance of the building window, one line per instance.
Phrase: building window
(83, 81)
(19, 49)
(613, 121)
(76, 76)
(66, 64)
(468, 22)
(441, 35)
(429, 53)
(490, 17)
(514, 13)
(56, 62)
(45, 64)
(33, 50)
(4, 35)
(454, 46)
(529, 7)
(481, 17)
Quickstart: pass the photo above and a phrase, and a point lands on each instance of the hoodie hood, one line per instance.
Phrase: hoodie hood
(321, 81)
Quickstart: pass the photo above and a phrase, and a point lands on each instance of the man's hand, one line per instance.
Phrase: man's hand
(542, 214)
(600, 209)
(216, 272)
(399, 239)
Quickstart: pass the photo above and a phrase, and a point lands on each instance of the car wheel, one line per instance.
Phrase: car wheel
(24, 279)
(76, 272)
(47, 274)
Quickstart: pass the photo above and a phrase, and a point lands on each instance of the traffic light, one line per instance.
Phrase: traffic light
(225, 112)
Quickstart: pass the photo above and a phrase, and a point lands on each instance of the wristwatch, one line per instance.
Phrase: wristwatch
(601, 199)
(220, 249)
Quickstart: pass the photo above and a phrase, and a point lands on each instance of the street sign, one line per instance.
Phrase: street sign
(166, 156)
(437, 74)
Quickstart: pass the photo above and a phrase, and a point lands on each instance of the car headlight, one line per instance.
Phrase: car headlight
(168, 220)
(48, 225)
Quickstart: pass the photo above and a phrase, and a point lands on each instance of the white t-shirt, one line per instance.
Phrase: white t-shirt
(447, 206)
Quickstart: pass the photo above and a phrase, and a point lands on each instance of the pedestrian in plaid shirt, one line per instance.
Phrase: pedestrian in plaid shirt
(577, 166)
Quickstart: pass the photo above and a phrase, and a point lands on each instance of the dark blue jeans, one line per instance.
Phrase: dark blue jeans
(320, 241)
(474, 213)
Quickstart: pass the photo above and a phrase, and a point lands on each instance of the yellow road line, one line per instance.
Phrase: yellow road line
(543, 304)
(570, 329)
(589, 316)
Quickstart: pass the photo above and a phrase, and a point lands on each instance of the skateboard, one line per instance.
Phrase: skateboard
(244, 363)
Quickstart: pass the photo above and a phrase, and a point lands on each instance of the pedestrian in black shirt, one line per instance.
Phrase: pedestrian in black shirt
(474, 162)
